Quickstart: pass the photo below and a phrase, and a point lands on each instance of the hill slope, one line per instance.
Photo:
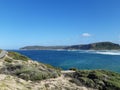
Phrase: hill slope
(96, 46)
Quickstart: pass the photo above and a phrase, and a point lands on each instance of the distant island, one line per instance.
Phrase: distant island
(92, 46)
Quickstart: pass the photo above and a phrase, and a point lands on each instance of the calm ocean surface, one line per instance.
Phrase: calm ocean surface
(108, 60)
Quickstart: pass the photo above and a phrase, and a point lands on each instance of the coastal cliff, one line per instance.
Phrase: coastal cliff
(18, 72)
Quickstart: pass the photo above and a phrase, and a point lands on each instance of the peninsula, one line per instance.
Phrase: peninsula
(92, 46)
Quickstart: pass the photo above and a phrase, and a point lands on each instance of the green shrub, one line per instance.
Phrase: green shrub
(29, 72)
(8, 60)
(0, 50)
(74, 69)
(52, 67)
(99, 79)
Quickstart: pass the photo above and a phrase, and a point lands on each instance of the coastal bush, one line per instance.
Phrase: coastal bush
(74, 69)
(35, 74)
(10, 68)
(99, 79)
(29, 72)
(52, 67)
(8, 60)
(17, 56)
(0, 50)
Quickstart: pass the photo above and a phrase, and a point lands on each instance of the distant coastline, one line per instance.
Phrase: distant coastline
(92, 46)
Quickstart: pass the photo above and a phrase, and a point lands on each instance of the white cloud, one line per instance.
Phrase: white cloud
(86, 35)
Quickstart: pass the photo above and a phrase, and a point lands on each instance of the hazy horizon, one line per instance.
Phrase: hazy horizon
(58, 22)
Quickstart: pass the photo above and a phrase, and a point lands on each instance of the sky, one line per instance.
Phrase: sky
(58, 22)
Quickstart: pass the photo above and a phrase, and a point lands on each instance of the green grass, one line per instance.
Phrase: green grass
(18, 56)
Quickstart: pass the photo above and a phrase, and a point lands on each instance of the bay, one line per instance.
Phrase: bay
(107, 60)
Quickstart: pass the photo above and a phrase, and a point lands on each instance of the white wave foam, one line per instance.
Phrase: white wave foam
(109, 53)
(105, 52)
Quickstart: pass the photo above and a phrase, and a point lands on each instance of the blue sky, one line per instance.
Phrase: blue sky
(58, 22)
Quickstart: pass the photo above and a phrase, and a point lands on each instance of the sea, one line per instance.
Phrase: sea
(80, 59)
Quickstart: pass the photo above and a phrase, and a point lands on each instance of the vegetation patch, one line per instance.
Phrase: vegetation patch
(99, 79)
(0, 50)
(74, 69)
(31, 72)
(8, 60)
(18, 56)
(52, 67)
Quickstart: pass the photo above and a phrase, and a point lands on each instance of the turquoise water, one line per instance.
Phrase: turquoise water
(78, 59)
